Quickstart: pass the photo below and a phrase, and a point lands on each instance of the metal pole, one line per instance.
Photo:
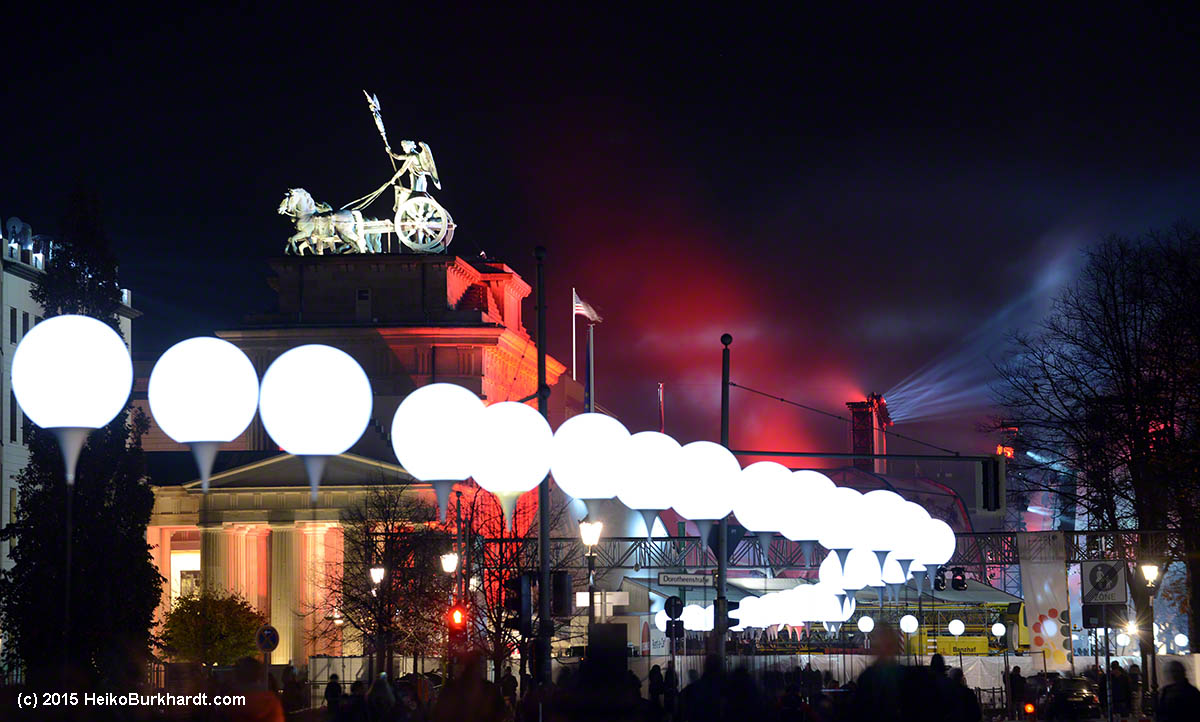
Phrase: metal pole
(1107, 678)
(462, 550)
(1153, 653)
(722, 626)
(589, 393)
(67, 591)
(573, 334)
(591, 588)
(544, 625)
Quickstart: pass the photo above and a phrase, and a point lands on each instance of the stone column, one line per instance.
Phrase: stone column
(214, 557)
(286, 555)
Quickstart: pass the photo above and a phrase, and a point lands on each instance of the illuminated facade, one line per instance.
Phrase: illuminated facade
(409, 320)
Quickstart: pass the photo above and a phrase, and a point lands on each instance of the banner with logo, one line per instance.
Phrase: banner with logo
(1047, 610)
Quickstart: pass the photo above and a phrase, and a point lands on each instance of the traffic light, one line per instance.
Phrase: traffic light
(518, 599)
(456, 625)
(990, 484)
(939, 580)
(958, 579)
(724, 615)
(562, 601)
(675, 629)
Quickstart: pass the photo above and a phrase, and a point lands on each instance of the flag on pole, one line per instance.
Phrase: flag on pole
(583, 308)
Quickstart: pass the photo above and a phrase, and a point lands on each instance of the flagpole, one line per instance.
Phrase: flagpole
(589, 395)
(573, 315)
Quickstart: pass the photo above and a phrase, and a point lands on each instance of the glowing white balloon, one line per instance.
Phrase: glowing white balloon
(588, 456)
(650, 477)
(434, 433)
(881, 520)
(761, 488)
(830, 572)
(956, 627)
(866, 624)
(912, 522)
(1123, 639)
(1181, 640)
(315, 402)
(709, 474)
(908, 624)
(660, 620)
(203, 392)
(844, 505)
(998, 629)
(203, 389)
(513, 453)
(861, 570)
(806, 505)
(71, 372)
(939, 543)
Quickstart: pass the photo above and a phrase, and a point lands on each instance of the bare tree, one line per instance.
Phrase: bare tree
(406, 612)
(1103, 394)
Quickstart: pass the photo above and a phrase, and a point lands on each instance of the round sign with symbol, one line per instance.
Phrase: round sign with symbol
(674, 607)
(267, 638)
(1103, 577)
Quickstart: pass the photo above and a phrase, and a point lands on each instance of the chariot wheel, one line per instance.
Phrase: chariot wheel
(423, 225)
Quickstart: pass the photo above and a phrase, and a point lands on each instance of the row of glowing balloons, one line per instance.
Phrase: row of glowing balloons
(74, 373)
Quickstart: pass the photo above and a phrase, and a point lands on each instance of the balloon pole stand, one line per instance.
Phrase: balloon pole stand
(843, 555)
(904, 566)
(70, 442)
(508, 505)
(764, 545)
(442, 489)
(809, 548)
(704, 527)
(205, 454)
(593, 508)
(649, 516)
(314, 467)
(882, 557)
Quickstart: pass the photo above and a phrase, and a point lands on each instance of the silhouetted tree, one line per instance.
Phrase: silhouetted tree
(1104, 394)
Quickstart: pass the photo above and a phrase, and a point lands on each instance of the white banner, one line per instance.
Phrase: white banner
(1044, 585)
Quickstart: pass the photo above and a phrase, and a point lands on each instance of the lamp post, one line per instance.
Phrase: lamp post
(450, 562)
(590, 532)
(956, 627)
(377, 572)
(1150, 572)
(998, 631)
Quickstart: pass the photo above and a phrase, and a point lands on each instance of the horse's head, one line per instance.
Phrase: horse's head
(285, 206)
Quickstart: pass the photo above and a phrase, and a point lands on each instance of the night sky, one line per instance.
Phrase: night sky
(857, 199)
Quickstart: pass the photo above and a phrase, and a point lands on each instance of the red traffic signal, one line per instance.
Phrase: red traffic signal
(457, 618)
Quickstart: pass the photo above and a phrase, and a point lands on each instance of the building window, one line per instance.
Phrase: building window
(12, 416)
(12, 325)
(24, 324)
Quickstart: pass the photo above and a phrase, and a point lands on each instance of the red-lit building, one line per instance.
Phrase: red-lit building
(409, 320)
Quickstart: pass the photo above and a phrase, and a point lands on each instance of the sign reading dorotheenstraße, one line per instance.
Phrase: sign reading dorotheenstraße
(668, 579)
(1104, 583)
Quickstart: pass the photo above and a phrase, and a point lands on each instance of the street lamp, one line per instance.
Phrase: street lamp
(315, 402)
(1150, 572)
(589, 532)
(449, 562)
(376, 575)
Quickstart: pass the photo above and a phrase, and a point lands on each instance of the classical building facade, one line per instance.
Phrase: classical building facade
(409, 320)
